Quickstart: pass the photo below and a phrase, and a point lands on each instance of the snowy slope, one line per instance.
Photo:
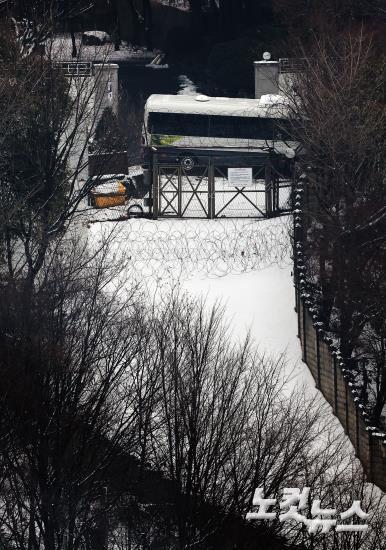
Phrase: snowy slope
(261, 301)
(244, 264)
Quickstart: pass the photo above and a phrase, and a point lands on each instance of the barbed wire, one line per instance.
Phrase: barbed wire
(164, 252)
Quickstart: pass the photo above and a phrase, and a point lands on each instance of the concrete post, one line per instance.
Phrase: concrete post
(266, 77)
(211, 191)
(155, 183)
(106, 88)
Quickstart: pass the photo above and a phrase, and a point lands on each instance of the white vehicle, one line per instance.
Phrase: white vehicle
(218, 122)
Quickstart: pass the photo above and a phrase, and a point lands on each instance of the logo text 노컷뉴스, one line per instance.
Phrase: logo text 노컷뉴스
(295, 502)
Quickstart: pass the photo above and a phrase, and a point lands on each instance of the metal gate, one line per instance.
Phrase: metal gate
(182, 193)
(199, 187)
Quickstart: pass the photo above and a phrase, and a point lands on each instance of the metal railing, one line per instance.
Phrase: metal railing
(291, 64)
(76, 68)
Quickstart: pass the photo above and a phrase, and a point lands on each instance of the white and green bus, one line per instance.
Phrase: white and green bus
(185, 121)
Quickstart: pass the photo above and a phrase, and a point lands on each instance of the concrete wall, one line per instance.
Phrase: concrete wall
(331, 379)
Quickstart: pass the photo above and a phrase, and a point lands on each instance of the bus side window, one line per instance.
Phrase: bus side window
(195, 125)
(223, 126)
(178, 124)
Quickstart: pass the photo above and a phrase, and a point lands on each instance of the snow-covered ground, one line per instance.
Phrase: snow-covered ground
(261, 301)
(60, 48)
(244, 264)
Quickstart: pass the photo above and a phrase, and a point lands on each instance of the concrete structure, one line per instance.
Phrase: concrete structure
(266, 76)
(275, 77)
(331, 379)
(106, 88)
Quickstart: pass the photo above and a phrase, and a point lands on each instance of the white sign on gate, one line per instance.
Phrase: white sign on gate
(240, 177)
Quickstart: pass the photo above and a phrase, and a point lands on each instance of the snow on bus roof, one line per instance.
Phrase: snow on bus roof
(269, 105)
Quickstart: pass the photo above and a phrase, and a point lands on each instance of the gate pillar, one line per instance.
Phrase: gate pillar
(268, 190)
(211, 191)
(155, 184)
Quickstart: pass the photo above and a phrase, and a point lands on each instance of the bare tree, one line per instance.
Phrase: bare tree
(48, 124)
(35, 20)
(339, 113)
(319, 16)
(226, 424)
(67, 409)
(124, 420)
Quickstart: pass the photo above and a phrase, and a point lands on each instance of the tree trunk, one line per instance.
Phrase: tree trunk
(147, 15)
(116, 34)
(74, 52)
